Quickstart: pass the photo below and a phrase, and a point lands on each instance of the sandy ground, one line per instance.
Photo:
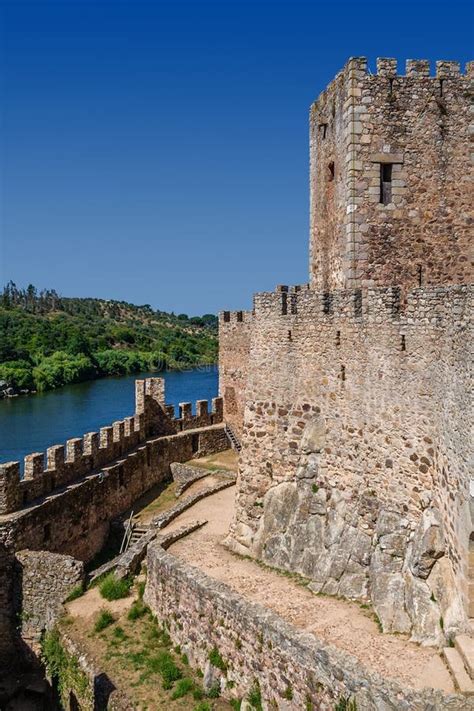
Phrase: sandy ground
(342, 624)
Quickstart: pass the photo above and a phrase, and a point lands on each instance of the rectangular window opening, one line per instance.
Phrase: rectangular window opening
(386, 183)
(323, 127)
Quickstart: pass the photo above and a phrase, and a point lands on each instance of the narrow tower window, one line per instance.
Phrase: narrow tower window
(385, 183)
(323, 127)
(331, 171)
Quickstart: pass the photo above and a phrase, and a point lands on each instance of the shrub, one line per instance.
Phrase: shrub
(164, 664)
(113, 589)
(216, 659)
(236, 704)
(255, 696)
(137, 610)
(183, 687)
(104, 619)
(141, 589)
(215, 691)
(203, 706)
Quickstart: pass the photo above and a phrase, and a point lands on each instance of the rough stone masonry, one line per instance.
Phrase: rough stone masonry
(351, 395)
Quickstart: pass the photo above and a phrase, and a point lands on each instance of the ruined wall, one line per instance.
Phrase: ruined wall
(418, 124)
(294, 670)
(42, 582)
(354, 465)
(234, 346)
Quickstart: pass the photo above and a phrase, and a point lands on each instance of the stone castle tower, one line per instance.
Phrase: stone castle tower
(351, 393)
(390, 168)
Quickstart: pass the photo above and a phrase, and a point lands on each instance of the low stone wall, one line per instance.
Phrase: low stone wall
(294, 670)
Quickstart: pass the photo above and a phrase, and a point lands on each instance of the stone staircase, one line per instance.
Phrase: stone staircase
(233, 439)
(138, 531)
(460, 661)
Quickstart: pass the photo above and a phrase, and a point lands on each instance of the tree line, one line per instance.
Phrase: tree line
(47, 340)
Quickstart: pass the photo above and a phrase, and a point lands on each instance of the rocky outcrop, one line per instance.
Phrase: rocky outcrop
(351, 544)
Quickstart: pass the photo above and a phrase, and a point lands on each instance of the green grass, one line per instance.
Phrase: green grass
(111, 588)
(182, 688)
(76, 592)
(216, 659)
(104, 619)
(164, 664)
(255, 697)
(137, 610)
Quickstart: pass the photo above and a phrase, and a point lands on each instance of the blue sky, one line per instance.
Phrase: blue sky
(157, 152)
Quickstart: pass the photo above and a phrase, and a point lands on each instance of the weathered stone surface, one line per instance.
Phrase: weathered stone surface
(428, 544)
(424, 611)
(269, 649)
(314, 436)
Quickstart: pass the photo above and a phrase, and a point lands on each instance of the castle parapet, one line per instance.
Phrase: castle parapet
(425, 304)
(64, 464)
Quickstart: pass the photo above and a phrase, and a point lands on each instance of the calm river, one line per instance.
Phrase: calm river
(32, 423)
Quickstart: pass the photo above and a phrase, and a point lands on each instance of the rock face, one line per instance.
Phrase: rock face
(351, 545)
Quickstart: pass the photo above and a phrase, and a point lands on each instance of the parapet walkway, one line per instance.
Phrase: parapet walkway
(340, 623)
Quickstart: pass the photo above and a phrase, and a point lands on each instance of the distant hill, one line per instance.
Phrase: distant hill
(47, 340)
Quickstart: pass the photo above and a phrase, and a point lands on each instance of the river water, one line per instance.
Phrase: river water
(32, 423)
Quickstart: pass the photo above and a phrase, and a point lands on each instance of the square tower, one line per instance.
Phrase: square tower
(390, 177)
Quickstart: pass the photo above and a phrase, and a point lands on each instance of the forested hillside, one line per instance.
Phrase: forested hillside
(47, 340)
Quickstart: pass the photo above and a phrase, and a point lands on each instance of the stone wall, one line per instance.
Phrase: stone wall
(294, 670)
(75, 519)
(354, 463)
(234, 346)
(417, 124)
(42, 582)
(78, 457)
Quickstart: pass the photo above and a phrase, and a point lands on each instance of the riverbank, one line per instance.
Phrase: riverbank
(8, 390)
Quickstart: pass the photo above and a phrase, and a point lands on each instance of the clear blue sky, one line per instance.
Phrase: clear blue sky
(157, 152)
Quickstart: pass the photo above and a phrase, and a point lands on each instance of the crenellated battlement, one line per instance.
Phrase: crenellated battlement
(233, 317)
(63, 464)
(424, 305)
(389, 68)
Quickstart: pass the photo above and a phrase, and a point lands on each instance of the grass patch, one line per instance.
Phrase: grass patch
(119, 634)
(76, 592)
(216, 659)
(203, 706)
(255, 697)
(182, 688)
(164, 664)
(104, 619)
(137, 610)
(111, 588)
(214, 692)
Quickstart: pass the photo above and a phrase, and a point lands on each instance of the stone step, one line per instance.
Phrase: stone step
(465, 646)
(455, 664)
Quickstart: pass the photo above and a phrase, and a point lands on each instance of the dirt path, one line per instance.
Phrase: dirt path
(342, 624)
